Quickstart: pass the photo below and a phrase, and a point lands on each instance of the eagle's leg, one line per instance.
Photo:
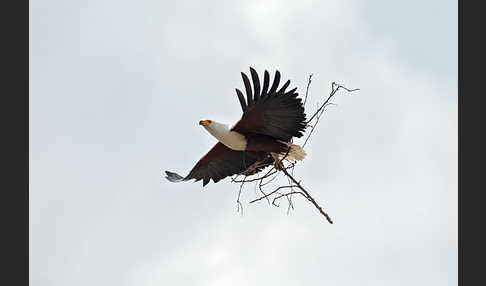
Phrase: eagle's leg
(253, 168)
(278, 164)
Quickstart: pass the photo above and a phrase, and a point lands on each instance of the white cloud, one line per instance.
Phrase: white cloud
(117, 90)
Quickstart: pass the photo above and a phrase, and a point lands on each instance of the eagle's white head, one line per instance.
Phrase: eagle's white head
(214, 127)
(222, 132)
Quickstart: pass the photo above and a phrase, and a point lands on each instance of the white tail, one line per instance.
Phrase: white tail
(296, 152)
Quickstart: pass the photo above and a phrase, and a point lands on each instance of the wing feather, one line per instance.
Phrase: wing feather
(256, 84)
(276, 81)
(279, 114)
(241, 98)
(266, 82)
(249, 94)
(221, 162)
(282, 90)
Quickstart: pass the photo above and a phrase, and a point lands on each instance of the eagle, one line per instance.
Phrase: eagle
(263, 136)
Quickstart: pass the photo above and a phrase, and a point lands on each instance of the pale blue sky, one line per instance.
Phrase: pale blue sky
(424, 32)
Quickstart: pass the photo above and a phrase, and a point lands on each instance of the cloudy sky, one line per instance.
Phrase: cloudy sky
(117, 89)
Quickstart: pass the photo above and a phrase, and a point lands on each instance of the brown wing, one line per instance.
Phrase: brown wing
(270, 112)
(221, 162)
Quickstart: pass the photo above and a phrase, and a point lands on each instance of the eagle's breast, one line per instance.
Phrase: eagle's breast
(232, 139)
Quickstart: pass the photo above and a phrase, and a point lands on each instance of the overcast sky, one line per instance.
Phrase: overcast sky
(116, 92)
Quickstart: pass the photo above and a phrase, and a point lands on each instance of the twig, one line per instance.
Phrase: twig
(271, 193)
(270, 176)
(307, 89)
(333, 91)
(240, 205)
(308, 196)
(334, 88)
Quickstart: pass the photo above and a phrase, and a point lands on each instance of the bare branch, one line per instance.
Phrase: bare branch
(271, 193)
(294, 187)
(333, 92)
(238, 202)
(308, 196)
(307, 89)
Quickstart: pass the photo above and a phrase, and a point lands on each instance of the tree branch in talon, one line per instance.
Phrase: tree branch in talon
(263, 137)
(271, 175)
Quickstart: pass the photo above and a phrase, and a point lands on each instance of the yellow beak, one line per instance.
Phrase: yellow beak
(205, 122)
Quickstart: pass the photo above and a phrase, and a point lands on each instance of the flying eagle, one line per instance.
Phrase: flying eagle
(271, 117)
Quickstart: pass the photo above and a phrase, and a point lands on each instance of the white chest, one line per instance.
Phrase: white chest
(231, 139)
(234, 140)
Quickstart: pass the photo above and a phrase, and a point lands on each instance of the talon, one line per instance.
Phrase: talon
(278, 164)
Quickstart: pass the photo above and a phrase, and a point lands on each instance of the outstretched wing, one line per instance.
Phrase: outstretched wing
(272, 112)
(219, 163)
